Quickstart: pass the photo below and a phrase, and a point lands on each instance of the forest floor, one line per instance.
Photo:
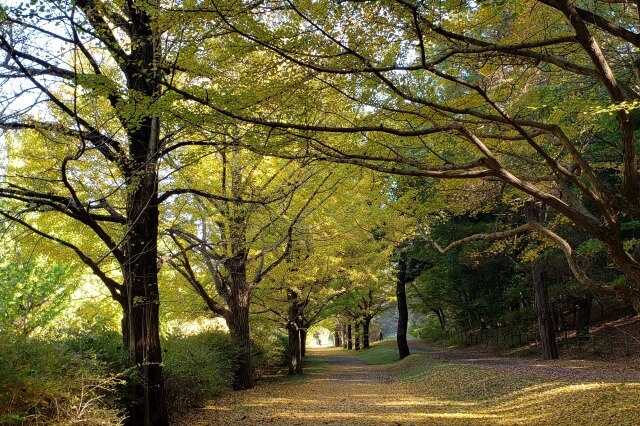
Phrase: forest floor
(434, 386)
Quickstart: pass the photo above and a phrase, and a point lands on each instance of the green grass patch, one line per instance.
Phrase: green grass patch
(379, 354)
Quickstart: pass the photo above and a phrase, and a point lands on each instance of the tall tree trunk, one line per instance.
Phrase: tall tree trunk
(345, 338)
(239, 327)
(544, 314)
(441, 318)
(357, 336)
(295, 357)
(403, 311)
(124, 325)
(583, 317)
(293, 329)
(303, 341)
(365, 333)
(337, 342)
(349, 337)
(140, 275)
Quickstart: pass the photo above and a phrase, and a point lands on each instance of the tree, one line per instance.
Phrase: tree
(226, 248)
(83, 102)
(469, 91)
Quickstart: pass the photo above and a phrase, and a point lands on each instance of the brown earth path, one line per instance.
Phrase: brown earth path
(346, 391)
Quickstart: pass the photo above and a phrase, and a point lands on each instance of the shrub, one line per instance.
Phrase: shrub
(431, 330)
(196, 367)
(269, 352)
(45, 382)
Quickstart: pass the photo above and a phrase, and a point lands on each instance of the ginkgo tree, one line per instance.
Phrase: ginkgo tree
(225, 248)
(539, 96)
(87, 125)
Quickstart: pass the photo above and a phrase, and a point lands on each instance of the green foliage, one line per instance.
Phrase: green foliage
(196, 367)
(269, 352)
(431, 330)
(52, 382)
(32, 295)
(591, 247)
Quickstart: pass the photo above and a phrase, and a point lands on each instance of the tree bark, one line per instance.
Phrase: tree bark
(349, 337)
(365, 333)
(303, 342)
(295, 356)
(583, 317)
(345, 338)
(403, 311)
(140, 273)
(357, 335)
(441, 318)
(239, 327)
(337, 342)
(544, 314)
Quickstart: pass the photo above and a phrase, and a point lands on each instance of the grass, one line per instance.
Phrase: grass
(380, 353)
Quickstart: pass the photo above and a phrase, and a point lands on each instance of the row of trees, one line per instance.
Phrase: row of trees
(132, 122)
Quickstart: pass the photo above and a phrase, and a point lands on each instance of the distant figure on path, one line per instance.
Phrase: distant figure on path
(380, 337)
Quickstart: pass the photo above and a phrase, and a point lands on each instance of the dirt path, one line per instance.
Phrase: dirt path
(346, 391)
(343, 391)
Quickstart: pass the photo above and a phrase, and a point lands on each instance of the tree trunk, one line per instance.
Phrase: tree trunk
(441, 318)
(544, 314)
(337, 342)
(345, 338)
(365, 333)
(349, 337)
(294, 354)
(303, 341)
(583, 317)
(403, 311)
(239, 327)
(124, 325)
(140, 275)
(357, 336)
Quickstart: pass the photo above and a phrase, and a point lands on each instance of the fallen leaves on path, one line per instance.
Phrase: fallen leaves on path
(421, 391)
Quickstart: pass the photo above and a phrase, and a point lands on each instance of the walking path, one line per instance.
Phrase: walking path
(345, 391)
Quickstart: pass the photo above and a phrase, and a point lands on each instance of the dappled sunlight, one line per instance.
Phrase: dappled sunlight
(445, 394)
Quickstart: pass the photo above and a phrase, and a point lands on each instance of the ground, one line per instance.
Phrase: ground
(434, 387)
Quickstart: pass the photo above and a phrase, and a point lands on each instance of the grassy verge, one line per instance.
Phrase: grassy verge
(379, 353)
(489, 396)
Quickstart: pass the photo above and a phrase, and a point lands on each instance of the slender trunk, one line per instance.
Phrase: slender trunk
(583, 318)
(336, 336)
(403, 311)
(441, 318)
(544, 314)
(365, 333)
(345, 338)
(357, 337)
(303, 341)
(349, 337)
(239, 327)
(294, 333)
